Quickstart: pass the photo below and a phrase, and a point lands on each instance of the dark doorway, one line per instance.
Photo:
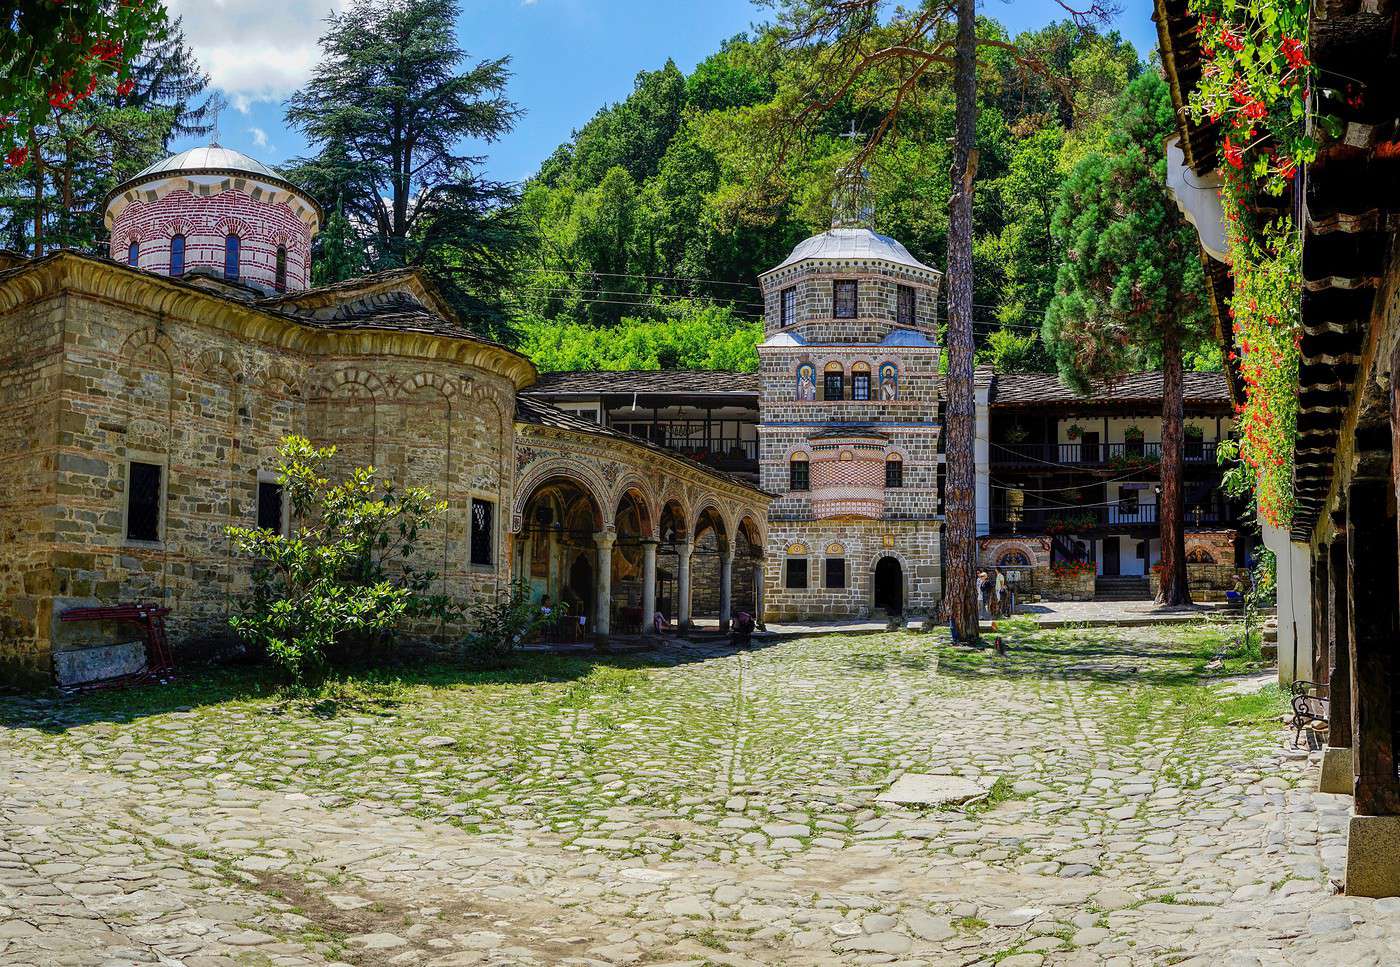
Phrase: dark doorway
(581, 584)
(1110, 557)
(1089, 447)
(889, 586)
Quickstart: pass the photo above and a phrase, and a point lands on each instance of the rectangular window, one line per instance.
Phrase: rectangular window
(834, 387)
(894, 474)
(270, 506)
(860, 386)
(843, 300)
(143, 502)
(788, 311)
(836, 572)
(905, 315)
(797, 573)
(483, 529)
(797, 475)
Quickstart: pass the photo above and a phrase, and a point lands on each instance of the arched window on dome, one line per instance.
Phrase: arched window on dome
(133, 254)
(231, 246)
(281, 282)
(177, 255)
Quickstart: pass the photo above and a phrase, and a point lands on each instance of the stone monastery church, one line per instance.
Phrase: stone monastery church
(143, 398)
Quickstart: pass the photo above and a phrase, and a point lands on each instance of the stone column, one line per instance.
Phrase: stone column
(526, 553)
(648, 584)
(758, 592)
(553, 582)
(602, 624)
(726, 589)
(683, 550)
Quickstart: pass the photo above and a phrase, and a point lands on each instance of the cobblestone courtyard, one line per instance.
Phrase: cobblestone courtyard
(696, 807)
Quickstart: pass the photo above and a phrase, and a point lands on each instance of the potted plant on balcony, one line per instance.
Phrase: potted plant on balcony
(1195, 442)
(1132, 438)
(1074, 433)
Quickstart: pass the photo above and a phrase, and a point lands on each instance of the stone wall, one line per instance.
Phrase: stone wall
(1064, 587)
(158, 372)
(862, 543)
(31, 348)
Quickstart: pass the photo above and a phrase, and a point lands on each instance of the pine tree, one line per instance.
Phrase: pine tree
(1129, 287)
(388, 109)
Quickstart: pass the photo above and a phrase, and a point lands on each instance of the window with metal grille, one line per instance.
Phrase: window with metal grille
(133, 253)
(280, 284)
(788, 312)
(797, 573)
(231, 245)
(270, 506)
(798, 475)
(860, 386)
(834, 386)
(177, 255)
(835, 572)
(483, 527)
(143, 502)
(894, 473)
(843, 299)
(905, 315)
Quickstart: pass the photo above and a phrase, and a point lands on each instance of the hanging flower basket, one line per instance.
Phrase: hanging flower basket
(1074, 432)
(1195, 433)
(1133, 432)
(1017, 434)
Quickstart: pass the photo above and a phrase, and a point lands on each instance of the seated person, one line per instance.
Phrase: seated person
(741, 629)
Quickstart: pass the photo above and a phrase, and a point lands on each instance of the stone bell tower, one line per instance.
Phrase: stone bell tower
(848, 431)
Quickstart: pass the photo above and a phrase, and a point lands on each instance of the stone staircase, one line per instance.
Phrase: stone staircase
(1122, 588)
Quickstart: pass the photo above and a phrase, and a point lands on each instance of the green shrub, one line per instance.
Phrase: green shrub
(345, 577)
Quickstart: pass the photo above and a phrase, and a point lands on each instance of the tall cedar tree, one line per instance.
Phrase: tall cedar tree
(388, 109)
(78, 155)
(1122, 304)
(903, 55)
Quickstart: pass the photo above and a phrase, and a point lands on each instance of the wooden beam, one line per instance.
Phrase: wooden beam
(1322, 662)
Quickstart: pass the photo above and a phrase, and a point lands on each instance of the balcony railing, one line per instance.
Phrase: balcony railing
(722, 453)
(1096, 454)
(1046, 520)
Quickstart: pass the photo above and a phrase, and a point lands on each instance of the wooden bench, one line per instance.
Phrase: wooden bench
(1310, 705)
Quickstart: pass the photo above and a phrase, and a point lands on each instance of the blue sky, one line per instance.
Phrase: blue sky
(569, 57)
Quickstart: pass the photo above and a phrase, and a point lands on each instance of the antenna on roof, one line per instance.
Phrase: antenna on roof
(850, 201)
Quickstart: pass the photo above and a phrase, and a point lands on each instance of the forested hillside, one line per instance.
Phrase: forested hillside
(664, 208)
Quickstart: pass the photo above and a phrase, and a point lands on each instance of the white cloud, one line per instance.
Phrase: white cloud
(255, 50)
(528, 3)
(259, 137)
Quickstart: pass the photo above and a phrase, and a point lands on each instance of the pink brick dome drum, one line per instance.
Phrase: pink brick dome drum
(215, 211)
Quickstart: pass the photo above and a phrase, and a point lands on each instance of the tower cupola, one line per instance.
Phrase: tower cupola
(215, 211)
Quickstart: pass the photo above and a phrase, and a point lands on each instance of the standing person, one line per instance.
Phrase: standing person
(984, 589)
(1003, 601)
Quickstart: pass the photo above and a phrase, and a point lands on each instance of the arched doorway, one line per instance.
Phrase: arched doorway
(889, 585)
(557, 552)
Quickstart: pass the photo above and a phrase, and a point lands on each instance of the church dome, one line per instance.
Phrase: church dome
(217, 211)
(211, 158)
(852, 243)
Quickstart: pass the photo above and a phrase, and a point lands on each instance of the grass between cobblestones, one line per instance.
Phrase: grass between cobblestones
(683, 753)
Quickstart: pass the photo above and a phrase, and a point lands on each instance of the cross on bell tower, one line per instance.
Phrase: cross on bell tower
(850, 201)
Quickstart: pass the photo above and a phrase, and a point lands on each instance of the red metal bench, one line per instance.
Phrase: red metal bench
(149, 617)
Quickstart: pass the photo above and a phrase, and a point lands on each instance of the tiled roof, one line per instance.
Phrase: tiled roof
(540, 413)
(696, 382)
(1026, 389)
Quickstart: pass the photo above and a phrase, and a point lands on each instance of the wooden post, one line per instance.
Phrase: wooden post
(1321, 662)
(1339, 651)
(1374, 599)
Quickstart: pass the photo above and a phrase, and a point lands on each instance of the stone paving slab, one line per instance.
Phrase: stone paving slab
(707, 808)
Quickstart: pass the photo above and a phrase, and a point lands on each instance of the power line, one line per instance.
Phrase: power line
(628, 275)
(586, 293)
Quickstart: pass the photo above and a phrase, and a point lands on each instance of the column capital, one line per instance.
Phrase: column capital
(605, 538)
(684, 548)
(649, 540)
